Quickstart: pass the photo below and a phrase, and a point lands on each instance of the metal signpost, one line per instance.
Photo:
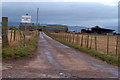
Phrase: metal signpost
(25, 20)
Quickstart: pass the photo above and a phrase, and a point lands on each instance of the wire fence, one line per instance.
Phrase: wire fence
(106, 44)
(16, 37)
(12, 36)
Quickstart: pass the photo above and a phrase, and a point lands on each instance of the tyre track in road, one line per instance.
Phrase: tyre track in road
(55, 60)
(73, 54)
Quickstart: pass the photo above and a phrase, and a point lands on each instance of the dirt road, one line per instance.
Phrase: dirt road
(55, 60)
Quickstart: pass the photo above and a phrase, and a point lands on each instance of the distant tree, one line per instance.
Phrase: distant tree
(13, 28)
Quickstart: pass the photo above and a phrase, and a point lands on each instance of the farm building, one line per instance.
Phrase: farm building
(76, 29)
(98, 30)
(30, 26)
(55, 28)
(86, 31)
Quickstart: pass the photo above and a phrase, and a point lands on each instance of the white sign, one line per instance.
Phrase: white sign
(26, 19)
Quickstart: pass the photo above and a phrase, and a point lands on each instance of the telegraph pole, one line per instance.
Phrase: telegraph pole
(37, 18)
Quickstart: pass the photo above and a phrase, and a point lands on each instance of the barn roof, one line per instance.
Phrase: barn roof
(99, 28)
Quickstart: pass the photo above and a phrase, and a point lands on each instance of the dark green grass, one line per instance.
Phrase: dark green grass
(20, 51)
(102, 56)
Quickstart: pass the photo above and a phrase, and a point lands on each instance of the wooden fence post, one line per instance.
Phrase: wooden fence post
(95, 42)
(11, 35)
(118, 48)
(63, 36)
(70, 37)
(82, 41)
(14, 34)
(108, 44)
(87, 40)
(4, 32)
(67, 37)
(91, 42)
(58, 35)
(20, 35)
(17, 35)
(77, 39)
(117, 45)
(73, 37)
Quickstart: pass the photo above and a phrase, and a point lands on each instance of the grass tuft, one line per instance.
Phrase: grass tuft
(20, 51)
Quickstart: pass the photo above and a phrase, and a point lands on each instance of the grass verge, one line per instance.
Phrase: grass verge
(20, 51)
(102, 56)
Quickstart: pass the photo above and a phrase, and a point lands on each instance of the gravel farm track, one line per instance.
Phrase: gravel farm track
(55, 60)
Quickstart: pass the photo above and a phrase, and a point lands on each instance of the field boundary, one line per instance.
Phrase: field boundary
(20, 52)
(104, 57)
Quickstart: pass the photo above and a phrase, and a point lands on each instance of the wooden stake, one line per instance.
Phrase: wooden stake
(91, 43)
(87, 40)
(116, 45)
(77, 39)
(95, 42)
(14, 35)
(82, 41)
(5, 42)
(108, 44)
(11, 35)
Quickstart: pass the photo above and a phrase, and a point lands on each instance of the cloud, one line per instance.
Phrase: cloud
(106, 2)
(71, 13)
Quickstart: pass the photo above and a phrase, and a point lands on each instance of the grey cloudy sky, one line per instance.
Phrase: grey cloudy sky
(70, 13)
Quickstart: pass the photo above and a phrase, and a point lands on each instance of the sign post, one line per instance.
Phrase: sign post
(25, 20)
